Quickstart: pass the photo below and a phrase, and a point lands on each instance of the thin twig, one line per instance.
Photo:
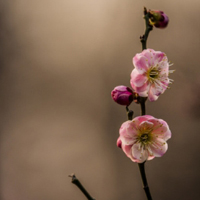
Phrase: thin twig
(80, 186)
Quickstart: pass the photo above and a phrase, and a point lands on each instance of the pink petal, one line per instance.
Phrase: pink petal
(143, 90)
(127, 149)
(161, 129)
(137, 79)
(152, 96)
(138, 120)
(163, 67)
(139, 154)
(146, 125)
(143, 94)
(159, 56)
(150, 157)
(140, 63)
(165, 83)
(158, 147)
(148, 53)
(128, 132)
(157, 88)
(119, 143)
(161, 134)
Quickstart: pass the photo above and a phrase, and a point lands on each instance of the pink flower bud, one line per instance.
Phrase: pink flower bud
(158, 19)
(122, 95)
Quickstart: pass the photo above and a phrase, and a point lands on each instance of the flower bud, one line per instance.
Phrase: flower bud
(122, 95)
(158, 19)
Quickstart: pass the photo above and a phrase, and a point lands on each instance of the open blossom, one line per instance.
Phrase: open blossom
(149, 78)
(144, 138)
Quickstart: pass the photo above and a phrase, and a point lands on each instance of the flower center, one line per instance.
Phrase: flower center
(153, 74)
(144, 137)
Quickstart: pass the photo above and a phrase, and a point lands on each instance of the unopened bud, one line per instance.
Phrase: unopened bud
(158, 19)
(122, 95)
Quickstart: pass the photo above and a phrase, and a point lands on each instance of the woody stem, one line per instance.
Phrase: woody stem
(143, 40)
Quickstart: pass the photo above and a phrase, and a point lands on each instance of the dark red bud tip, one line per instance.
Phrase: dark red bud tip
(122, 95)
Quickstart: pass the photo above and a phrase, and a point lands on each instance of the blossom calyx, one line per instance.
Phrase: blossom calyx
(158, 19)
(123, 95)
(144, 138)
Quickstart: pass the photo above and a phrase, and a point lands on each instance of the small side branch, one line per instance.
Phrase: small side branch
(129, 113)
(80, 186)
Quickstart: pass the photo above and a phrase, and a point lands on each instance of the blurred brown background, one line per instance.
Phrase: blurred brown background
(59, 61)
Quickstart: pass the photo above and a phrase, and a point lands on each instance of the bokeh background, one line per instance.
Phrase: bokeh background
(59, 61)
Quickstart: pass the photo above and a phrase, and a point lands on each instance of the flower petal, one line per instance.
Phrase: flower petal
(140, 63)
(127, 150)
(158, 147)
(138, 120)
(119, 142)
(148, 53)
(157, 88)
(159, 56)
(128, 132)
(150, 157)
(161, 129)
(163, 67)
(138, 153)
(138, 79)
(146, 125)
(151, 95)
(143, 90)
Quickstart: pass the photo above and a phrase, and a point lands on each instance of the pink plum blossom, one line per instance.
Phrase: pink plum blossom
(149, 78)
(144, 138)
